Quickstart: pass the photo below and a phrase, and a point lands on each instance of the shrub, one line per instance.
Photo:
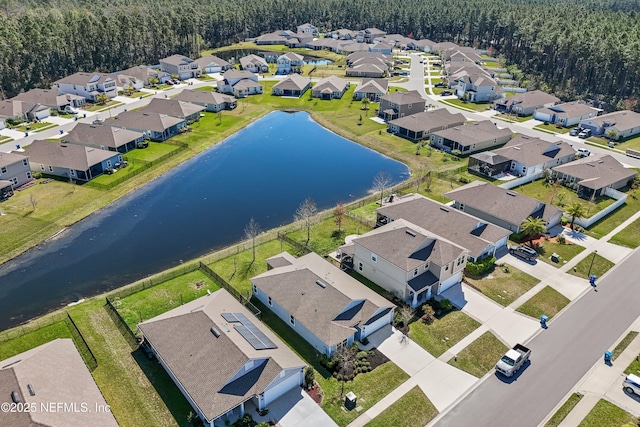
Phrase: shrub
(445, 305)
(561, 239)
(362, 354)
(463, 180)
(480, 267)
(309, 376)
(328, 362)
(429, 314)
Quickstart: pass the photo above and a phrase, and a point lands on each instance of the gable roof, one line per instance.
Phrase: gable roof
(202, 97)
(211, 59)
(404, 98)
(86, 78)
(144, 120)
(108, 136)
(621, 120)
(502, 203)
(457, 227)
(15, 108)
(71, 156)
(143, 72)
(204, 364)
(530, 99)
(369, 85)
(56, 373)
(292, 82)
(569, 109)
(292, 56)
(317, 293)
(532, 151)
(252, 61)
(173, 107)
(239, 74)
(427, 120)
(596, 172)
(7, 159)
(177, 60)
(473, 133)
(331, 84)
(49, 97)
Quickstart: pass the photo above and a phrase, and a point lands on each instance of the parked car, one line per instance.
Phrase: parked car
(513, 360)
(586, 133)
(631, 384)
(583, 152)
(70, 110)
(446, 93)
(440, 84)
(523, 252)
(98, 121)
(170, 82)
(575, 131)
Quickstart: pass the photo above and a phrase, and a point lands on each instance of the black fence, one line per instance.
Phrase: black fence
(122, 326)
(81, 344)
(154, 280)
(302, 249)
(224, 284)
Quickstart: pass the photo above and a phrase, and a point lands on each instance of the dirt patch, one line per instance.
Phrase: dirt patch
(376, 358)
(199, 284)
(316, 393)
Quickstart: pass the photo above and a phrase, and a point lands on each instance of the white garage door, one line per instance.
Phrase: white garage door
(450, 282)
(502, 242)
(282, 387)
(384, 320)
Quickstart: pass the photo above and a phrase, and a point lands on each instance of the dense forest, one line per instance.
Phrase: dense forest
(575, 48)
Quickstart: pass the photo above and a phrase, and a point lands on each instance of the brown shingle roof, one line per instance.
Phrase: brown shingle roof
(202, 97)
(177, 60)
(7, 159)
(333, 83)
(69, 156)
(533, 151)
(86, 78)
(403, 98)
(369, 85)
(596, 172)
(144, 120)
(428, 120)
(621, 120)
(530, 99)
(473, 133)
(292, 82)
(211, 59)
(569, 109)
(251, 61)
(108, 136)
(173, 107)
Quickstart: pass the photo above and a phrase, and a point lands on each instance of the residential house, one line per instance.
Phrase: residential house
(351, 47)
(54, 381)
(420, 125)
(50, 98)
(502, 207)
(566, 114)
(212, 101)
(524, 104)
(461, 54)
(12, 109)
(88, 85)
(307, 29)
(175, 108)
(324, 305)
(343, 34)
(400, 104)
(239, 83)
(475, 87)
(480, 238)
(144, 73)
(212, 64)
(367, 64)
(384, 48)
(412, 263)
(522, 155)
(155, 126)
(290, 62)
(14, 168)
(374, 89)
(617, 125)
(180, 65)
(223, 360)
(593, 175)
(276, 37)
(394, 40)
(331, 87)
(293, 85)
(469, 138)
(254, 63)
(70, 161)
(109, 138)
(6, 189)
(124, 82)
(369, 34)
(423, 45)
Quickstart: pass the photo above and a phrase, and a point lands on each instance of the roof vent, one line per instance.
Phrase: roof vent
(30, 389)
(410, 233)
(15, 397)
(215, 332)
(442, 208)
(321, 284)
(510, 193)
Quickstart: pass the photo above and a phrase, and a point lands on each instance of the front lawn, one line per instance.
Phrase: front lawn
(548, 302)
(592, 264)
(632, 143)
(551, 128)
(442, 333)
(34, 127)
(102, 107)
(629, 237)
(414, 409)
(566, 251)
(468, 105)
(512, 117)
(564, 410)
(623, 344)
(606, 414)
(503, 284)
(480, 356)
(562, 197)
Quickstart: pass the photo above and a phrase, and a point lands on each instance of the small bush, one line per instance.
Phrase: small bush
(362, 354)
(309, 376)
(445, 305)
(480, 267)
(561, 239)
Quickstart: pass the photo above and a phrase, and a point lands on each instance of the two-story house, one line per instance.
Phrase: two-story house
(307, 28)
(88, 85)
(180, 65)
(475, 87)
(239, 83)
(14, 168)
(400, 104)
(472, 137)
(324, 305)
(290, 62)
(254, 64)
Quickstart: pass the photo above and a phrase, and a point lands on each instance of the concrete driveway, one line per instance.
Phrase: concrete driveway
(295, 408)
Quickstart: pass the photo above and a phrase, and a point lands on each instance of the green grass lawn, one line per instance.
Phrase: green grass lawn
(325, 237)
(512, 117)
(154, 151)
(564, 410)
(413, 409)
(480, 356)
(129, 171)
(159, 299)
(33, 339)
(562, 197)
(606, 414)
(467, 105)
(632, 143)
(551, 128)
(4, 139)
(101, 107)
(629, 237)
(566, 251)
(623, 344)
(35, 127)
(138, 94)
(443, 333)
(504, 284)
(617, 217)
(600, 266)
(206, 88)
(548, 302)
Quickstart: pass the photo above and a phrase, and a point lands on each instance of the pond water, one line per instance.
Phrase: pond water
(264, 171)
(236, 54)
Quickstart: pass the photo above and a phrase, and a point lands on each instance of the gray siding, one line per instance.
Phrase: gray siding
(17, 172)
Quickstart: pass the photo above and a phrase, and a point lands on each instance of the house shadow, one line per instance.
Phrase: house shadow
(455, 294)
(509, 380)
(164, 386)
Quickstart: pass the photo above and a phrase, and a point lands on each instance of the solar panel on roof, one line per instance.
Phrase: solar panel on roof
(254, 336)
(230, 317)
(94, 79)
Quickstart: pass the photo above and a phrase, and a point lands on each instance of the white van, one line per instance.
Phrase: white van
(631, 384)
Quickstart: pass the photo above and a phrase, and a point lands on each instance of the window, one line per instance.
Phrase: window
(50, 168)
(72, 172)
(360, 267)
(292, 320)
(120, 159)
(374, 257)
(3, 170)
(25, 162)
(255, 289)
(41, 167)
(29, 175)
(14, 180)
(524, 169)
(461, 206)
(108, 163)
(446, 267)
(270, 304)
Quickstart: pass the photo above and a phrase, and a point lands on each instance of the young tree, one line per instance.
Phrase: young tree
(533, 227)
(102, 99)
(346, 357)
(338, 215)
(576, 210)
(305, 212)
(380, 183)
(405, 314)
(153, 81)
(251, 231)
(33, 202)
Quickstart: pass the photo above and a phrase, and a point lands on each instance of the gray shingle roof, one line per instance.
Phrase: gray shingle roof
(621, 120)
(596, 172)
(49, 97)
(404, 98)
(569, 109)
(530, 99)
(501, 203)
(86, 78)
(428, 120)
(532, 151)
(292, 82)
(108, 136)
(69, 156)
(144, 120)
(238, 74)
(211, 59)
(202, 97)
(458, 227)
(473, 133)
(173, 107)
(251, 61)
(177, 60)
(7, 159)
(333, 83)
(368, 85)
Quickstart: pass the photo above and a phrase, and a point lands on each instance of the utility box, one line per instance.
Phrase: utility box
(350, 401)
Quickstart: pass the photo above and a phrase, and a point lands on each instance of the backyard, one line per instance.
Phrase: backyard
(503, 284)
(562, 197)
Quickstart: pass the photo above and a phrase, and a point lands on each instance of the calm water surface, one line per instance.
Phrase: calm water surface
(265, 172)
